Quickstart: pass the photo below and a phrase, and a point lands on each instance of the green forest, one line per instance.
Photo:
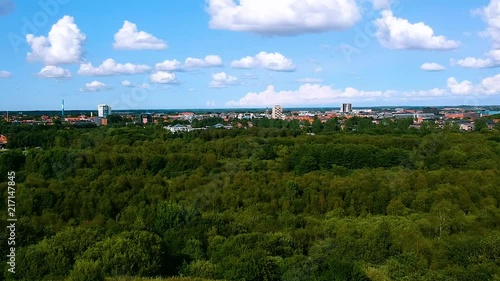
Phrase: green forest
(272, 202)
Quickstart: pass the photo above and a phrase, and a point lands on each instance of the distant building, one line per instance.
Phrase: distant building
(179, 128)
(103, 110)
(247, 116)
(433, 110)
(147, 119)
(346, 108)
(278, 112)
(3, 141)
(221, 126)
(186, 115)
(99, 121)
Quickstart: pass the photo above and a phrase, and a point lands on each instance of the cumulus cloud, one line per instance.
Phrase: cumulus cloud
(189, 63)
(491, 59)
(310, 80)
(52, 71)
(314, 94)
(110, 67)
(95, 86)
(463, 88)
(5, 74)
(130, 38)
(129, 84)
(381, 4)
(432, 66)
(397, 33)
(162, 77)
(222, 80)
(284, 17)
(491, 16)
(208, 61)
(269, 61)
(63, 45)
(6, 7)
(169, 65)
(488, 86)
(307, 94)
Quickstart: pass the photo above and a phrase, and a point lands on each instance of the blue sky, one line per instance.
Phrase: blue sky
(248, 53)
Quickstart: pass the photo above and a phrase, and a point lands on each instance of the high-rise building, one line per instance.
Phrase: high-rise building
(277, 112)
(346, 108)
(103, 110)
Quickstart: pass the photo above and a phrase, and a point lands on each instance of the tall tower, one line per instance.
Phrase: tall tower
(277, 112)
(103, 110)
(346, 108)
(62, 106)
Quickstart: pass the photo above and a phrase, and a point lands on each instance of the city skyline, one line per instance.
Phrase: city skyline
(221, 54)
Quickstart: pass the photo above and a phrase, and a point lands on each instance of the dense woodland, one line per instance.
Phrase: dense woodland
(362, 202)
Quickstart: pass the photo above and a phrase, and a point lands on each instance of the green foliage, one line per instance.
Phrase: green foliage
(86, 271)
(369, 202)
(128, 253)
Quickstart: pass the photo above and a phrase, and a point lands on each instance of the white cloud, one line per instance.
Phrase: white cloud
(110, 67)
(5, 74)
(491, 16)
(222, 80)
(424, 93)
(381, 4)
(432, 66)
(491, 85)
(208, 61)
(189, 63)
(284, 17)
(63, 45)
(318, 70)
(129, 38)
(307, 94)
(488, 86)
(471, 62)
(211, 103)
(162, 77)
(310, 80)
(269, 61)
(129, 84)
(52, 71)
(491, 59)
(169, 65)
(95, 86)
(316, 94)
(397, 33)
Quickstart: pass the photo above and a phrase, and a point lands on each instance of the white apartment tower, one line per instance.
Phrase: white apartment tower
(278, 112)
(103, 110)
(346, 108)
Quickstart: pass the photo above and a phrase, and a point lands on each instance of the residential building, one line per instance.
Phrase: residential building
(278, 112)
(146, 118)
(222, 126)
(179, 128)
(3, 141)
(346, 108)
(103, 110)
